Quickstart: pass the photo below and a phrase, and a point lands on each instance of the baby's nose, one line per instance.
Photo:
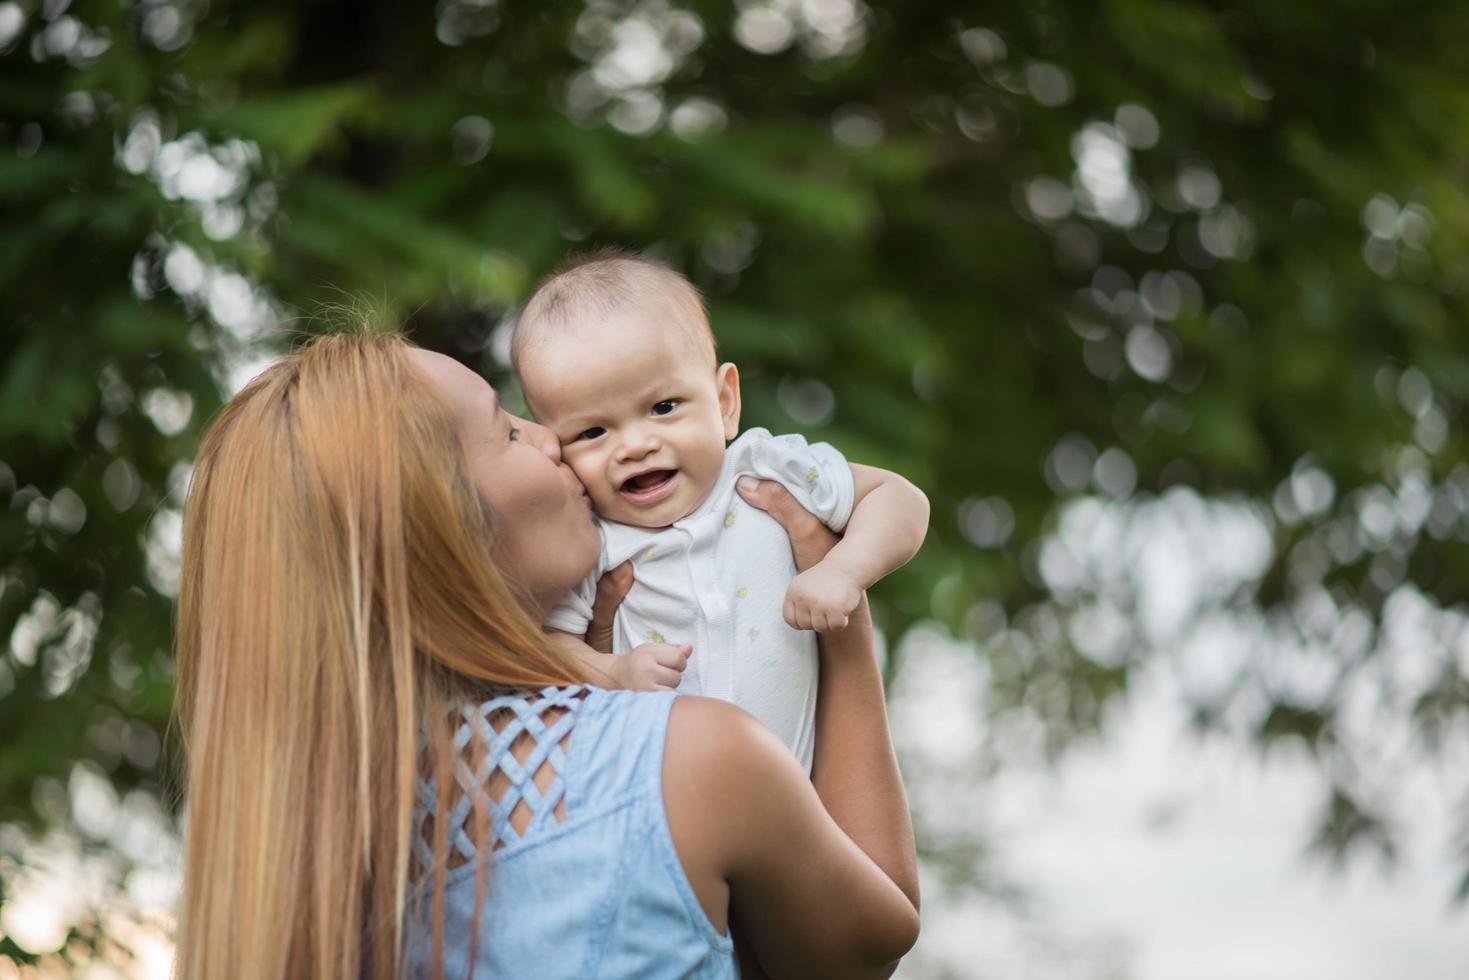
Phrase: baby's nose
(639, 441)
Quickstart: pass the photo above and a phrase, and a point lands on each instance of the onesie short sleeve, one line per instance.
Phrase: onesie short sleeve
(815, 473)
(574, 612)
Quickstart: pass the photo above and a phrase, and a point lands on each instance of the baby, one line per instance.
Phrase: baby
(616, 357)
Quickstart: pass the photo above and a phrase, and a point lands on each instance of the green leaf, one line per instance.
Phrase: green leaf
(294, 125)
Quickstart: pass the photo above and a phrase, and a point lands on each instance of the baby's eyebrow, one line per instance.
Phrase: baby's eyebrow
(578, 421)
(573, 426)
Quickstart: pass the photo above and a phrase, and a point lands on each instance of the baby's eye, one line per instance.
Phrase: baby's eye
(592, 433)
(514, 435)
(664, 407)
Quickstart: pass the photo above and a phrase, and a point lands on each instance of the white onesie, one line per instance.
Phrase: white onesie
(717, 580)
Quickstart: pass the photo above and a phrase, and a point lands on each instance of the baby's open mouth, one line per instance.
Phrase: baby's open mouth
(646, 482)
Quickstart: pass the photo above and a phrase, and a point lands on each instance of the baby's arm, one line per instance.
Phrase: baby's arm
(582, 622)
(650, 667)
(888, 523)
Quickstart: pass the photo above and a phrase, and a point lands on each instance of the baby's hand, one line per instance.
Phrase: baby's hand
(821, 598)
(651, 667)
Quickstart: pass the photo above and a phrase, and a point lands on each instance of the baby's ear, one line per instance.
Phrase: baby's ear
(727, 381)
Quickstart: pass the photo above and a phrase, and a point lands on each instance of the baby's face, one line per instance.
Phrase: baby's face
(642, 413)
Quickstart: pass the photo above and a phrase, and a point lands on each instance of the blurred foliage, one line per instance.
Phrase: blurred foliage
(1049, 250)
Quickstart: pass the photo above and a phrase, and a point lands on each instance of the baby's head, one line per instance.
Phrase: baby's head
(616, 357)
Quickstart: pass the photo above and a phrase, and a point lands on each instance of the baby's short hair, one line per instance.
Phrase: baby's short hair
(596, 284)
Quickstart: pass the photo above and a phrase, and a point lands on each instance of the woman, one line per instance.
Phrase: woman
(390, 770)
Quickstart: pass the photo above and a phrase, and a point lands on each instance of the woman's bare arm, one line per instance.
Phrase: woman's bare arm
(820, 874)
(754, 837)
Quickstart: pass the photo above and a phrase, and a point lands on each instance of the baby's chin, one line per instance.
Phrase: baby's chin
(652, 518)
(640, 520)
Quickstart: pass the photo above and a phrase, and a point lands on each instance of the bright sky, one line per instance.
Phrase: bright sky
(1155, 855)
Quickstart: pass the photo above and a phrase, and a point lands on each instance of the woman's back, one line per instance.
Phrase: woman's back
(584, 880)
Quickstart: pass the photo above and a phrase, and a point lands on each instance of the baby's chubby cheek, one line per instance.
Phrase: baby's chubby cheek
(594, 478)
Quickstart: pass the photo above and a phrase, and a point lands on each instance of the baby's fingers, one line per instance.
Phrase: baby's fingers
(831, 622)
(666, 678)
(673, 657)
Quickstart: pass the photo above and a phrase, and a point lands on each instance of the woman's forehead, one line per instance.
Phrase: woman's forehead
(466, 391)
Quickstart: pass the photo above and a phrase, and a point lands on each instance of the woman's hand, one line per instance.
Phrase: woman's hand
(810, 542)
(611, 590)
(810, 539)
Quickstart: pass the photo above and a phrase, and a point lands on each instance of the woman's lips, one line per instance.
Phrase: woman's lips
(581, 491)
(651, 492)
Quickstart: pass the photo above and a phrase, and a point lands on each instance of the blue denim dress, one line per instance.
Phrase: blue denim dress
(598, 893)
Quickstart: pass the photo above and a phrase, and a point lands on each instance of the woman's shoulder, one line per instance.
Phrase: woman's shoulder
(616, 741)
(698, 727)
(689, 748)
(706, 734)
(721, 766)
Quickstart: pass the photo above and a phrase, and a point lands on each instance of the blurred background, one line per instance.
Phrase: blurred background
(1161, 301)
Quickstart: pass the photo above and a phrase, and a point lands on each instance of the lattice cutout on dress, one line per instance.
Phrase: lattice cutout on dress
(511, 755)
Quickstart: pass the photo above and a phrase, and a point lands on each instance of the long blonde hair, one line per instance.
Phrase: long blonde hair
(339, 596)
